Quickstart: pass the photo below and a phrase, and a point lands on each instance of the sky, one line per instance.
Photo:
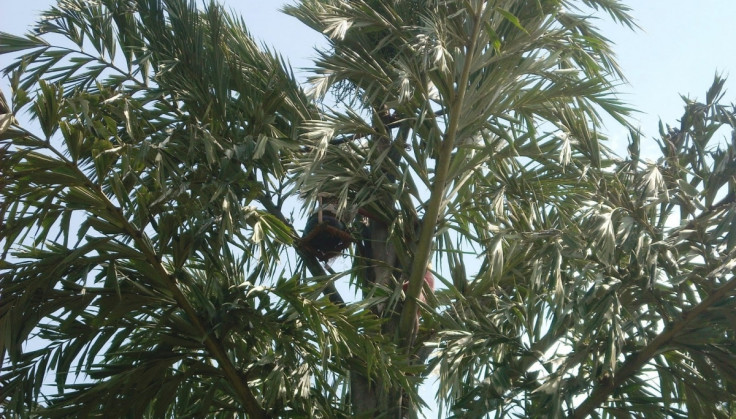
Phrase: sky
(680, 46)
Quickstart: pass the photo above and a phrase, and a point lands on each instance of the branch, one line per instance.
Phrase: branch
(407, 323)
(634, 362)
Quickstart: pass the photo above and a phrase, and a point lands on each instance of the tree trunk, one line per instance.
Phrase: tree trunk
(383, 269)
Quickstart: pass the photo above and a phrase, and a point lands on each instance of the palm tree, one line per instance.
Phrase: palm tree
(448, 133)
(465, 133)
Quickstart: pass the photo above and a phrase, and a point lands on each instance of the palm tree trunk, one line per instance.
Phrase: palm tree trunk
(384, 270)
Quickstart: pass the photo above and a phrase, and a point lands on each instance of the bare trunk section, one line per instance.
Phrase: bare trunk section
(369, 398)
(382, 270)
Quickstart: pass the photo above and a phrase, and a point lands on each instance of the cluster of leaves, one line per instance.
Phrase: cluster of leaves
(625, 301)
(166, 135)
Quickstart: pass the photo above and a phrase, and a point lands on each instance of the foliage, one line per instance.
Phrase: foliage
(160, 149)
(574, 282)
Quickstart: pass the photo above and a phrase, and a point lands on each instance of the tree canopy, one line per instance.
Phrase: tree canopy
(166, 215)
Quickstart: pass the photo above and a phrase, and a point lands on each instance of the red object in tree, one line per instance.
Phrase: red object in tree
(429, 279)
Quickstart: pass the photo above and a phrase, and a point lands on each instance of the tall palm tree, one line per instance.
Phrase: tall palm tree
(454, 114)
(465, 133)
